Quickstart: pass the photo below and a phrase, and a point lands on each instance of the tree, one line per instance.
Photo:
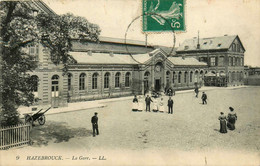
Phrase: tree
(21, 27)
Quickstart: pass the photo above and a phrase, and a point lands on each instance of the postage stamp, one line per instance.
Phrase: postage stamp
(163, 15)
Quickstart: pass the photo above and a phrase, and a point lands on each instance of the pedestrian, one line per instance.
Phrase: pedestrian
(94, 121)
(204, 98)
(135, 104)
(223, 124)
(232, 117)
(196, 90)
(170, 106)
(140, 104)
(155, 105)
(148, 101)
(161, 106)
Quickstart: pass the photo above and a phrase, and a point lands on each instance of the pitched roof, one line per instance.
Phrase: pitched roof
(187, 61)
(212, 43)
(40, 5)
(101, 58)
(106, 58)
(122, 41)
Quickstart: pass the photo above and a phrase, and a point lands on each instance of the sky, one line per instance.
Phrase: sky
(209, 17)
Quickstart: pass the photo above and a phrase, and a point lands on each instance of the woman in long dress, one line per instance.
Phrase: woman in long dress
(161, 106)
(135, 104)
(140, 104)
(223, 125)
(232, 117)
(155, 105)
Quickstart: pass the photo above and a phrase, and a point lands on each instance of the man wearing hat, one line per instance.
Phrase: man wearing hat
(94, 121)
(204, 98)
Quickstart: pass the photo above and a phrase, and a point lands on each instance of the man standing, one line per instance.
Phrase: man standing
(204, 98)
(94, 121)
(196, 91)
(148, 101)
(170, 105)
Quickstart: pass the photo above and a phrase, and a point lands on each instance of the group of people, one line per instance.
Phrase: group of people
(227, 122)
(204, 96)
(158, 105)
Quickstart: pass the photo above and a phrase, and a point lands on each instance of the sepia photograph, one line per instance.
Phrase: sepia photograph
(130, 82)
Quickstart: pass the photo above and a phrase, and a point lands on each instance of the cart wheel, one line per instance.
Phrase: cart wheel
(28, 119)
(41, 120)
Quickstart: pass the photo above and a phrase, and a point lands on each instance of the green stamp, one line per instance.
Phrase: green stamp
(163, 15)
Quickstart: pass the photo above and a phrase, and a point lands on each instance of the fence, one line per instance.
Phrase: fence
(13, 136)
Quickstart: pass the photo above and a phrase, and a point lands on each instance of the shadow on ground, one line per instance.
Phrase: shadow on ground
(56, 132)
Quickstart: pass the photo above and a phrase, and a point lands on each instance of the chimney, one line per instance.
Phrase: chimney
(89, 52)
(198, 45)
(183, 57)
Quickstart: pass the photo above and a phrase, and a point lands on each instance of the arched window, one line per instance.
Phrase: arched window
(191, 73)
(55, 86)
(238, 48)
(179, 77)
(117, 80)
(230, 61)
(106, 80)
(185, 76)
(127, 79)
(82, 81)
(234, 47)
(167, 78)
(94, 80)
(173, 77)
(146, 74)
(69, 81)
(146, 80)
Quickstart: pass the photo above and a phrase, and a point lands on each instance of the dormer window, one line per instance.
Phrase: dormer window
(186, 47)
(219, 44)
(205, 43)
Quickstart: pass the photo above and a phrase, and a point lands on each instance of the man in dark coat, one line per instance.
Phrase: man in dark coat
(94, 121)
(204, 98)
(196, 90)
(148, 101)
(170, 105)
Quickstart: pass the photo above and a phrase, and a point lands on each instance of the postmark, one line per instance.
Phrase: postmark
(163, 15)
(171, 30)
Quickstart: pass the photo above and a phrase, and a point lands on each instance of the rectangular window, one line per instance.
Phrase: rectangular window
(31, 51)
(221, 61)
(212, 61)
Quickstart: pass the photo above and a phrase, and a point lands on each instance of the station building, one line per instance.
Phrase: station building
(108, 69)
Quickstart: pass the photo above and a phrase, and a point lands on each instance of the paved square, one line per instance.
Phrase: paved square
(192, 126)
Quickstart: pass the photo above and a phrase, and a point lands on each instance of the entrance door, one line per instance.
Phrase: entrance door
(157, 85)
(146, 86)
(55, 91)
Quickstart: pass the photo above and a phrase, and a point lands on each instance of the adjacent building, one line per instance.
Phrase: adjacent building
(224, 56)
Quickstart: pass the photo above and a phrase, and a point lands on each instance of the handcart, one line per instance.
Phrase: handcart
(39, 116)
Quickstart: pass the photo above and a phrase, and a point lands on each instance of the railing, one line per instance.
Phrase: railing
(13, 136)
